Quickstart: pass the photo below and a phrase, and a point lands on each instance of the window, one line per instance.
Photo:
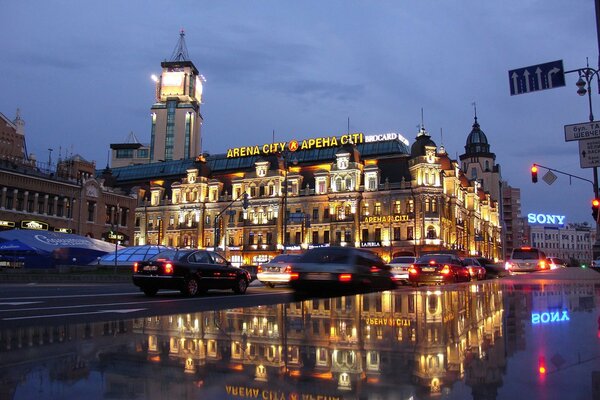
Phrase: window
(315, 237)
(365, 235)
(396, 233)
(397, 207)
(326, 213)
(431, 233)
(251, 238)
(377, 210)
(378, 234)
(473, 173)
(410, 233)
(326, 237)
(298, 238)
(91, 206)
(411, 206)
(124, 153)
(142, 153)
(315, 214)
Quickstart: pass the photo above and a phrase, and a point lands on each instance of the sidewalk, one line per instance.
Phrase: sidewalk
(65, 275)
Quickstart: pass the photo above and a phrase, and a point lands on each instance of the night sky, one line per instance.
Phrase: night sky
(80, 73)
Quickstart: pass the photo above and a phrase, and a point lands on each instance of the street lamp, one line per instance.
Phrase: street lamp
(584, 86)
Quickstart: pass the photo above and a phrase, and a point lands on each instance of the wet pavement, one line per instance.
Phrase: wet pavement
(526, 337)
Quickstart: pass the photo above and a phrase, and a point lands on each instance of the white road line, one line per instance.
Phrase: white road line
(145, 302)
(74, 314)
(19, 303)
(70, 296)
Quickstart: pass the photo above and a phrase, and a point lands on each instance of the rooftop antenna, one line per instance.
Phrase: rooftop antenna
(180, 53)
(348, 131)
(273, 136)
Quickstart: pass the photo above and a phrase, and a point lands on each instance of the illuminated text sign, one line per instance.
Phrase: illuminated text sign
(63, 230)
(387, 321)
(36, 225)
(385, 136)
(293, 145)
(549, 317)
(384, 218)
(546, 219)
(8, 224)
(247, 392)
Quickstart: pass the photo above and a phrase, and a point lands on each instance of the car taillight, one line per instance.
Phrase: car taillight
(345, 277)
(259, 269)
(294, 275)
(542, 264)
(446, 270)
(135, 267)
(412, 270)
(374, 269)
(168, 268)
(288, 269)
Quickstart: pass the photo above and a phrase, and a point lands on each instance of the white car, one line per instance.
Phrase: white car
(276, 271)
(400, 266)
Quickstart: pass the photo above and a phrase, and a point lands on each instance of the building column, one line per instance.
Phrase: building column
(54, 205)
(36, 198)
(25, 200)
(45, 204)
(3, 203)
(15, 194)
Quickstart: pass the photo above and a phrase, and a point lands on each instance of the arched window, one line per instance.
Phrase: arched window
(411, 206)
(433, 205)
(431, 234)
(338, 184)
(348, 183)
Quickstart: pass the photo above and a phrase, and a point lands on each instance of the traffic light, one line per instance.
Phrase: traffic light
(245, 201)
(542, 365)
(595, 206)
(534, 171)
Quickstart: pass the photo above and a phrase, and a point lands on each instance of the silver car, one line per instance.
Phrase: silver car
(527, 259)
(400, 266)
(277, 271)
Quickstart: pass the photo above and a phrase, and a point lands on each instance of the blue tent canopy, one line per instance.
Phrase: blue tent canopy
(48, 249)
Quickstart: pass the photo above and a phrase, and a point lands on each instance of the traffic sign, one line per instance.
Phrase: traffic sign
(589, 153)
(536, 77)
(584, 130)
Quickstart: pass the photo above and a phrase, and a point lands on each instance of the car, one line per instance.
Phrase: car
(526, 259)
(492, 269)
(595, 263)
(399, 267)
(438, 269)
(277, 270)
(190, 271)
(475, 268)
(555, 262)
(338, 267)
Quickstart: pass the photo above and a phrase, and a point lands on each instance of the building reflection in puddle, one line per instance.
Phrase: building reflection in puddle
(402, 344)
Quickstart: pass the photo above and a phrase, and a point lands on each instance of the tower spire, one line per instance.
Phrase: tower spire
(180, 53)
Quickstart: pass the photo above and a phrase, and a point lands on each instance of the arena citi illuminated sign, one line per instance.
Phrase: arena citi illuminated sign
(315, 143)
(546, 219)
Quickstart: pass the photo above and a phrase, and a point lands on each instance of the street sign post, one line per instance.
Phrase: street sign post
(584, 130)
(589, 153)
(536, 77)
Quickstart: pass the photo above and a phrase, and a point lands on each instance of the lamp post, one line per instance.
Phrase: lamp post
(584, 86)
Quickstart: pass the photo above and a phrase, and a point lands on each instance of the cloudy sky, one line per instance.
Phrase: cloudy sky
(80, 73)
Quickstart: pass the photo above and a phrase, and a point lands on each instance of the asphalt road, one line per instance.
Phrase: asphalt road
(57, 303)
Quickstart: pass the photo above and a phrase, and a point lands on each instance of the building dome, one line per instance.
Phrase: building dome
(477, 142)
(422, 140)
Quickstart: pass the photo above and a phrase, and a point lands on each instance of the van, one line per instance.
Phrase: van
(527, 259)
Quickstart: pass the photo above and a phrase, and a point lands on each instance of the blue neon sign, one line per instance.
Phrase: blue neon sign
(549, 317)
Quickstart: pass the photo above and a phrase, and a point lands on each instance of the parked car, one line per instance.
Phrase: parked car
(527, 259)
(476, 270)
(276, 271)
(595, 263)
(555, 262)
(340, 268)
(438, 269)
(492, 269)
(399, 267)
(190, 271)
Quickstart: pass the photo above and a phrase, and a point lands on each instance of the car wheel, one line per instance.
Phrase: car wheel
(191, 287)
(149, 291)
(240, 286)
(270, 284)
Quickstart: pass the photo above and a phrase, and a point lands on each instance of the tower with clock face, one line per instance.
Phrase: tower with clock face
(176, 120)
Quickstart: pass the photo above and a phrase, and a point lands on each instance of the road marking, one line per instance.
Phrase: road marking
(19, 303)
(70, 296)
(145, 302)
(125, 311)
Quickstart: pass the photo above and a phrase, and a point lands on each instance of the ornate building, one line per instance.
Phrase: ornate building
(368, 191)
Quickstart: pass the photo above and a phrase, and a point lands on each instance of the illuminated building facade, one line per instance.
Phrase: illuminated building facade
(369, 191)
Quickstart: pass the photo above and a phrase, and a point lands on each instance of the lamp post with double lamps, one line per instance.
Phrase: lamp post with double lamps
(285, 157)
(584, 86)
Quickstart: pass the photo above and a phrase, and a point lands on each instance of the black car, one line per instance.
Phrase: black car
(492, 269)
(190, 271)
(438, 269)
(334, 268)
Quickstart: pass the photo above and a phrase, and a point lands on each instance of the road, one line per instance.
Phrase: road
(53, 303)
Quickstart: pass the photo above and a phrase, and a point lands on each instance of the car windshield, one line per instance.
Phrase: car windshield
(326, 256)
(525, 254)
(402, 260)
(284, 258)
(438, 258)
(172, 255)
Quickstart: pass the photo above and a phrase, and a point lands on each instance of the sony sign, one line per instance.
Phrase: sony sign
(546, 219)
